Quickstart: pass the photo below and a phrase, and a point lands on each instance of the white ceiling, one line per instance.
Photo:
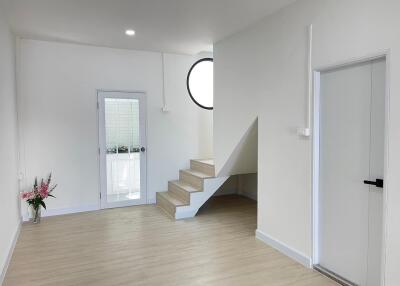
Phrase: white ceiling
(177, 26)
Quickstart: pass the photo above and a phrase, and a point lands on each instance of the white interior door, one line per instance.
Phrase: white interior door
(351, 145)
(122, 141)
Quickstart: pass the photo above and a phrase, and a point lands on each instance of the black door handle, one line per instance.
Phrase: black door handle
(378, 183)
(143, 149)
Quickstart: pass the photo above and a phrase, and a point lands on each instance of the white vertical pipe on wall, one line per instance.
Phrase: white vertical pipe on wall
(306, 132)
(164, 108)
(310, 77)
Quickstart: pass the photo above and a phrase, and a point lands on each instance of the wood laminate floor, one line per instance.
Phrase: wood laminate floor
(142, 246)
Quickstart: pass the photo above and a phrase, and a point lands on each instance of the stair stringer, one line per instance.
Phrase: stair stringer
(210, 186)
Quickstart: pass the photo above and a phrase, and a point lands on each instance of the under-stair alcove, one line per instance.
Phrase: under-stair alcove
(201, 182)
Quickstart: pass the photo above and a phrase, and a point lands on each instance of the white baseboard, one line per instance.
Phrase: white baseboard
(55, 212)
(64, 211)
(288, 251)
(10, 253)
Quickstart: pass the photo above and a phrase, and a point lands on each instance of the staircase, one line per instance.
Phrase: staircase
(194, 187)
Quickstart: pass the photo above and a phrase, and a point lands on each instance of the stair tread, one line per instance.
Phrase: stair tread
(197, 174)
(173, 199)
(187, 187)
(205, 161)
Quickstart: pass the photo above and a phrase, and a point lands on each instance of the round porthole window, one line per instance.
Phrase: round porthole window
(200, 83)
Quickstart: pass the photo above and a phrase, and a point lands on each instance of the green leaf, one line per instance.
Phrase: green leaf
(43, 204)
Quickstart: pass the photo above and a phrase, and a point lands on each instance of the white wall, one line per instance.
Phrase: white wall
(243, 158)
(262, 72)
(10, 220)
(58, 115)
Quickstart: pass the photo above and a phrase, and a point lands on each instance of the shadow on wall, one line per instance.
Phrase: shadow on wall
(243, 159)
(242, 166)
(243, 185)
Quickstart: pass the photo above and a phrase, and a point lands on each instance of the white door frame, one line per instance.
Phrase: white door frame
(141, 95)
(315, 153)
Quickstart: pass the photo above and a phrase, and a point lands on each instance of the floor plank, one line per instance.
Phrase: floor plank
(141, 246)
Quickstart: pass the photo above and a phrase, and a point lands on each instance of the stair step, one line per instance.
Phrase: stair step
(194, 178)
(182, 190)
(168, 202)
(205, 166)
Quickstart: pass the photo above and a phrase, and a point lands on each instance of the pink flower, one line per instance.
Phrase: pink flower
(39, 191)
(28, 195)
(43, 194)
(44, 190)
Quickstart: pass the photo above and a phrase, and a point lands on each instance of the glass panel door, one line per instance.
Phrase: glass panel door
(122, 150)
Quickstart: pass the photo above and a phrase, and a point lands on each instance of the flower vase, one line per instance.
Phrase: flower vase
(36, 214)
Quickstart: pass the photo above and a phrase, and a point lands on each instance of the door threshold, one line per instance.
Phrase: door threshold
(335, 277)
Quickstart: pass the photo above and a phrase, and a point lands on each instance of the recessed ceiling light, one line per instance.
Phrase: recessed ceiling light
(130, 33)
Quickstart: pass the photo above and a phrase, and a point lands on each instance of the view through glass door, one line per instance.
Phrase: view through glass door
(122, 148)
